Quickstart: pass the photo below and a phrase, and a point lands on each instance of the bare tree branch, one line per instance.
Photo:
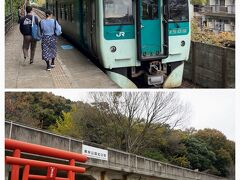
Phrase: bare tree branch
(131, 110)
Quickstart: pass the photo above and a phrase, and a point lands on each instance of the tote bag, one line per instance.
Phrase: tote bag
(57, 29)
(35, 30)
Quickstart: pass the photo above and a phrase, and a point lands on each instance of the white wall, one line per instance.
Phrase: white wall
(229, 2)
(227, 27)
(210, 25)
(211, 2)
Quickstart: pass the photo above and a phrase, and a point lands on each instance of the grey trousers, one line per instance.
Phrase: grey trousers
(29, 42)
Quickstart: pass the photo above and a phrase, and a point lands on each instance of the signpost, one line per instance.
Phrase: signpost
(95, 153)
(52, 173)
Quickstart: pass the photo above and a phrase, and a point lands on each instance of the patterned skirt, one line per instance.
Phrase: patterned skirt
(49, 47)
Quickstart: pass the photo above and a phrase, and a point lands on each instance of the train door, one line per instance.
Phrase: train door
(81, 19)
(93, 27)
(87, 25)
(149, 29)
(56, 10)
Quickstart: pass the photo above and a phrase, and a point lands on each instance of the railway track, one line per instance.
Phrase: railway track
(39, 13)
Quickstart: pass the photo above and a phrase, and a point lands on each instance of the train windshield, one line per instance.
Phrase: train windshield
(178, 10)
(150, 9)
(118, 12)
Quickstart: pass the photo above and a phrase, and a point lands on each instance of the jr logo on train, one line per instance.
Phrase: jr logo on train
(147, 40)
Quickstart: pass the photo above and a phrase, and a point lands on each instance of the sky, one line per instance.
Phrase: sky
(210, 108)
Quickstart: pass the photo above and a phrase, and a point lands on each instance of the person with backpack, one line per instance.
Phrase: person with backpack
(50, 29)
(26, 30)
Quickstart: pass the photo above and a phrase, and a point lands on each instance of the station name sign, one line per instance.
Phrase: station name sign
(95, 153)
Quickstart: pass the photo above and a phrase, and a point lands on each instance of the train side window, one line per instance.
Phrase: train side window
(65, 12)
(178, 10)
(53, 10)
(150, 9)
(61, 11)
(71, 12)
(118, 12)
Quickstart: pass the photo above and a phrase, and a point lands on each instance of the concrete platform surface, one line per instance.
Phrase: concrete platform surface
(73, 69)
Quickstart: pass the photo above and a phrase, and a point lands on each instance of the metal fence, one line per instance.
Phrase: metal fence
(9, 21)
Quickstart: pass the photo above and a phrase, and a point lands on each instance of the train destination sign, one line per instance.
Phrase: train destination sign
(178, 31)
(95, 153)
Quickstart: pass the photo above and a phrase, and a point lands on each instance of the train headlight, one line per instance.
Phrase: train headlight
(183, 43)
(113, 49)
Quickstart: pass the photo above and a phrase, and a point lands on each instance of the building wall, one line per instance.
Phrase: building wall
(228, 27)
(211, 2)
(218, 24)
(229, 2)
(220, 17)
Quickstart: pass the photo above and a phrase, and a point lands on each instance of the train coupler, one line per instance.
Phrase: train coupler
(154, 80)
(156, 68)
(156, 74)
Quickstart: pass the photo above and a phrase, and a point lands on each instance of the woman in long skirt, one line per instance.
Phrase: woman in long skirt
(49, 27)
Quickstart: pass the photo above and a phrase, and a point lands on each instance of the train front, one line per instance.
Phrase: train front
(148, 39)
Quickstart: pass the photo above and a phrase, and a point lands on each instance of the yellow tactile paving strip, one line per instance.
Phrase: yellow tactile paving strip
(60, 79)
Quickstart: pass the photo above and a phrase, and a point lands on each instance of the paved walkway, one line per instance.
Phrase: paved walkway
(73, 70)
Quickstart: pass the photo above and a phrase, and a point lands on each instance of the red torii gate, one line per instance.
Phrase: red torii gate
(16, 161)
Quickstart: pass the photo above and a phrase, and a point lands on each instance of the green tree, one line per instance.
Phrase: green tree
(198, 154)
(214, 138)
(36, 109)
(64, 125)
(155, 154)
(223, 161)
(223, 148)
(181, 161)
(90, 125)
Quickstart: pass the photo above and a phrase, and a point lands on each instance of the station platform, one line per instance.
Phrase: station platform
(73, 69)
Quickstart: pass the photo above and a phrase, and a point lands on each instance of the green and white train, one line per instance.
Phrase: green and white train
(130, 38)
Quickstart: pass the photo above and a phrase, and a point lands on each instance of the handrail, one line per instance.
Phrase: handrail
(41, 164)
(8, 22)
(43, 150)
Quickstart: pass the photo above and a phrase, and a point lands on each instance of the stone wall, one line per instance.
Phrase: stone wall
(210, 66)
